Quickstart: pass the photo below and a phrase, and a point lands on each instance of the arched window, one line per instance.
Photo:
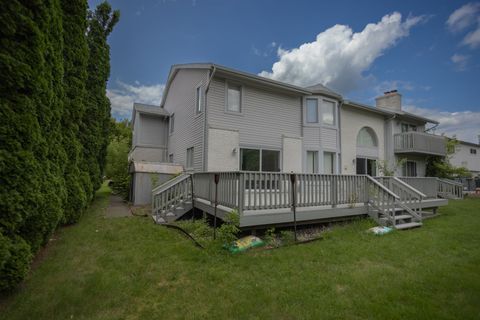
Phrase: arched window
(366, 138)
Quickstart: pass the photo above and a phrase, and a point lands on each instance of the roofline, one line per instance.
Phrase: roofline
(472, 144)
(368, 108)
(135, 110)
(414, 116)
(241, 74)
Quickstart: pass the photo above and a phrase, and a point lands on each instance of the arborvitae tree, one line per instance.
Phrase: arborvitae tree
(96, 120)
(50, 163)
(75, 58)
(31, 177)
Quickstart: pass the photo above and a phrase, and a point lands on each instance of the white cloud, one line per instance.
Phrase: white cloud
(463, 17)
(472, 39)
(339, 57)
(460, 61)
(465, 125)
(125, 95)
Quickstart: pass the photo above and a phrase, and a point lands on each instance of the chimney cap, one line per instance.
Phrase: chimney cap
(391, 91)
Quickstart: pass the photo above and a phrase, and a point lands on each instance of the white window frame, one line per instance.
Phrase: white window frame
(315, 163)
(199, 99)
(317, 111)
(335, 116)
(405, 169)
(261, 149)
(171, 124)
(190, 158)
(233, 84)
(334, 161)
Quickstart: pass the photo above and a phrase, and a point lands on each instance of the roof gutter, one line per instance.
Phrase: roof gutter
(207, 87)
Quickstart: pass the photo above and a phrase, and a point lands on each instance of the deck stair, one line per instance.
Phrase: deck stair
(395, 203)
(171, 200)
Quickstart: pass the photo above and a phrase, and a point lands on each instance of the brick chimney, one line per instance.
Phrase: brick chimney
(390, 100)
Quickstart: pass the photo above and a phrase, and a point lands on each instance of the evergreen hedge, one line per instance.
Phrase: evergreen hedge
(45, 93)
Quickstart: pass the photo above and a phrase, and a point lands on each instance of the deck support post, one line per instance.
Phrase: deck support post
(215, 179)
(294, 203)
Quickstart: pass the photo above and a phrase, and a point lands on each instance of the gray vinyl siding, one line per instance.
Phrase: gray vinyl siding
(311, 138)
(329, 138)
(189, 126)
(265, 117)
(153, 131)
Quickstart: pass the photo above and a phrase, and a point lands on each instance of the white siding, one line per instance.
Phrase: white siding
(463, 158)
(352, 120)
(329, 138)
(189, 126)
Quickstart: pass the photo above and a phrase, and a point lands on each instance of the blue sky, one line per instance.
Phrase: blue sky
(428, 50)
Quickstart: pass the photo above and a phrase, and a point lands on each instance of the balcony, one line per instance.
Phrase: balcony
(419, 143)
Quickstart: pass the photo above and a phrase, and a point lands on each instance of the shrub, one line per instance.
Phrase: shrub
(227, 233)
(15, 258)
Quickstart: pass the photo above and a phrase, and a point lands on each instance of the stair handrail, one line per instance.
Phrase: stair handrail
(387, 208)
(167, 184)
(370, 178)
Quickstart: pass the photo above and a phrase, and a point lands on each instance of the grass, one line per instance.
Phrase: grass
(129, 268)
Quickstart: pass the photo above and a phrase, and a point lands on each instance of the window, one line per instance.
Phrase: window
(366, 166)
(408, 127)
(366, 138)
(170, 158)
(270, 160)
(329, 162)
(259, 160)
(473, 151)
(312, 161)
(234, 98)
(409, 169)
(328, 112)
(172, 123)
(198, 101)
(312, 111)
(190, 157)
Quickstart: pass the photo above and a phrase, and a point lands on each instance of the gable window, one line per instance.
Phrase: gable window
(473, 151)
(312, 110)
(312, 161)
(366, 138)
(198, 101)
(234, 98)
(409, 169)
(328, 112)
(190, 157)
(172, 123)
(259, 160)
(329, 162)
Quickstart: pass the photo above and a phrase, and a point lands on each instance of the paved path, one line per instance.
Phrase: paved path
(117, 208)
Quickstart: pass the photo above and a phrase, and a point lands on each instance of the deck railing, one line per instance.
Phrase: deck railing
(434, 187)
(419, 142)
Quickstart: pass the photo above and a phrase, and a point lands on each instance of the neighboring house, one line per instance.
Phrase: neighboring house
(251, 133)
(467, 155)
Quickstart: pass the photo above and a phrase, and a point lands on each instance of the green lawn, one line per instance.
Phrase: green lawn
(129, 268)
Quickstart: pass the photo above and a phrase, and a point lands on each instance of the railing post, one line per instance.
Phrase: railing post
(241, 193)
(216, 179)
(294, 203)
(333, 190)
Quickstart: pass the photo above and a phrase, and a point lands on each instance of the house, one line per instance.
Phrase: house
(467, 155)
(216, 119)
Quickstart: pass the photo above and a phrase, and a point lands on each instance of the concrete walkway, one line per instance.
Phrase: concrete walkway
(117, 208)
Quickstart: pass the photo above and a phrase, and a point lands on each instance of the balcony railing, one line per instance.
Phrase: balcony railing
(419, 142)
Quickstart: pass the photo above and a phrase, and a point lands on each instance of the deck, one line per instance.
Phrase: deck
(264, 199)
